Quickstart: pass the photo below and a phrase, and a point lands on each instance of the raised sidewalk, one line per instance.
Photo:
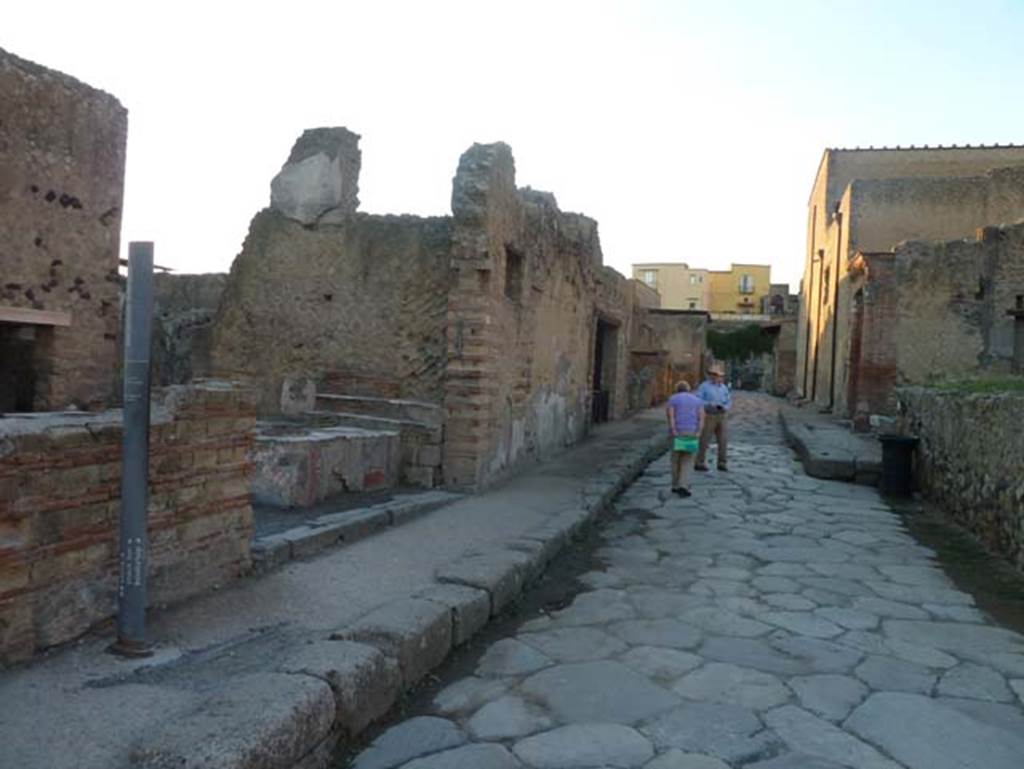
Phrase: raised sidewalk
(275, 671)
(829, 449)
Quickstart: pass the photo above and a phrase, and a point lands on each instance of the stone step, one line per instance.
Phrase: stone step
(390, 408)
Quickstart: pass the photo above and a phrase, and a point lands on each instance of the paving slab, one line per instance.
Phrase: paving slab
(598, 692)
(728, 732)
(924, 734)
(586, 745)
(805, 733)
(408, 740)
(507, 718)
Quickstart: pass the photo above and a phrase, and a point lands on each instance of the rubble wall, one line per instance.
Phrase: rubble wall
(62, 154)
(60, 479)
(365, 297)
(970, 460)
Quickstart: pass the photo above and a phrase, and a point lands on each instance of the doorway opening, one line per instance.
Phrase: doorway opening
(22, 375)
(606, 341)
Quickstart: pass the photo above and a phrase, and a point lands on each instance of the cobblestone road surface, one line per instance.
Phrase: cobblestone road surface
(771, 621)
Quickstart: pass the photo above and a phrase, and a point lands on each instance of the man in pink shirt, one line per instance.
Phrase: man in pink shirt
(685, 424)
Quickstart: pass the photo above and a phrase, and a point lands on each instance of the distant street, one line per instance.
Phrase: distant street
(771, 621)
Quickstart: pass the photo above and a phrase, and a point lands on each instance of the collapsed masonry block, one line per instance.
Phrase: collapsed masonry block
(321, 177)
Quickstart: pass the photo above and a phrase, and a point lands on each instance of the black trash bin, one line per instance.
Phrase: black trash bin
(897, 464)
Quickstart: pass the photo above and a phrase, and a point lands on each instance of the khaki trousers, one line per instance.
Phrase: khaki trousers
(715, 424)
(682, 463)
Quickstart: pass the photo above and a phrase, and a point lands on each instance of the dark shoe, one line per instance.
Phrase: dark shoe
(678, 491)
(723, 469)
(701, 468)
(685, 493)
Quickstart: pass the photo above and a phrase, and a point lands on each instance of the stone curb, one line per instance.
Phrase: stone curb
(344, 528)
(325, 692)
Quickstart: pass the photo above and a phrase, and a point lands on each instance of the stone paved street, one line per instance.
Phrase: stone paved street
(771, 621)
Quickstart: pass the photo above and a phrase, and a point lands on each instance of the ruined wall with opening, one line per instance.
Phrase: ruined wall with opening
(937, 309)
(522, 319)
(60, 487)
(320, 291)
(62, 153)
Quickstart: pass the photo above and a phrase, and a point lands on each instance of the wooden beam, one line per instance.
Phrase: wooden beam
(34, 317)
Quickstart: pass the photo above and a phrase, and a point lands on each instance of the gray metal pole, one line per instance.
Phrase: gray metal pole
(131, 604)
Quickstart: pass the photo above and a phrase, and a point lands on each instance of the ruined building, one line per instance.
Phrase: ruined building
(62, 153)
(864, 203)
(498, 326)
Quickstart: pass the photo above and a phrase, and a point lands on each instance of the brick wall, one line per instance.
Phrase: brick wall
(970, 460)
(59, 509)
(62, 153)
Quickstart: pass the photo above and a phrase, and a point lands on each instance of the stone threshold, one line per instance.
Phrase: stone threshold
(326, 689)
(342, 528)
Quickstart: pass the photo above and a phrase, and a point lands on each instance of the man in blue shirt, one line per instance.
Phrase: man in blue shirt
(717, 402)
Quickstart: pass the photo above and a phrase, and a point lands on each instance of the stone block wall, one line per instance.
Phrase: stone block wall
(60, 481)
(970, 460)
(62, 154)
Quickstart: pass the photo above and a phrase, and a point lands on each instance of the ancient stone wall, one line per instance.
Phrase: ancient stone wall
(970, 460)
(60, 491)
(935, 310)
(62, 153)
(183, 310)
(366, 297)
(521, 322)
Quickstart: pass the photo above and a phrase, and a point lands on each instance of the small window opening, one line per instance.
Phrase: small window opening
(514, 267)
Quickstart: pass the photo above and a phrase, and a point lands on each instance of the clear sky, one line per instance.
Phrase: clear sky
(690, 130)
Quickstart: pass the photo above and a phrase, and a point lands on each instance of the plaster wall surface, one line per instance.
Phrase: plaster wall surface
(62, 155)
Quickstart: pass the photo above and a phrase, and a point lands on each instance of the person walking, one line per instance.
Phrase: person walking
(685, 422)
(717, 400)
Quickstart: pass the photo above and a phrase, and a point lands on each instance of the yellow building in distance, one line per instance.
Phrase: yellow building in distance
(681, 287)
(740, 289)
(736, 291)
